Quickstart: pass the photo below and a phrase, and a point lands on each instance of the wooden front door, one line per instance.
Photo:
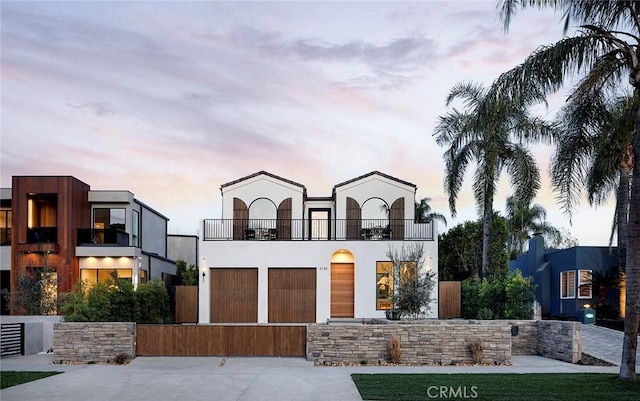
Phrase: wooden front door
(342, 293)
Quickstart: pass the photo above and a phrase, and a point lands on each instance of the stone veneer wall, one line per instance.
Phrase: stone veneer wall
(96, 342)
(525, 342)
(444, 341)
(560, 340)
(439, 342)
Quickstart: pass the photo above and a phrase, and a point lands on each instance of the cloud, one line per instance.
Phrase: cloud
(100, 109)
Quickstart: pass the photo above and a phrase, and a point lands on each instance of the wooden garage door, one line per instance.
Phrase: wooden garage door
(234, 295)
(292, 295)
(342, 293)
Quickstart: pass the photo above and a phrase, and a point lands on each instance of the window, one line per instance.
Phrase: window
(584, 284)
(384, 285)
(5, 227)
(262, 214)
(109, 218)
(135, 228)
(375, 213)
(92, 276)
(567, 284)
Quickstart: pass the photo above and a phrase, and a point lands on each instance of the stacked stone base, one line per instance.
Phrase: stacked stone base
(97, 342)
(443, 342)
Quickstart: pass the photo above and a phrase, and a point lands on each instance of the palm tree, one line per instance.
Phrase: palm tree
(490, 132)
(424, 213)
(605, 49)
(525, 220)
(594, 151)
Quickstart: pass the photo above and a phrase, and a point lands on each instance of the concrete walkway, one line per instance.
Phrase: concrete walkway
(604, 343)
(238, 378)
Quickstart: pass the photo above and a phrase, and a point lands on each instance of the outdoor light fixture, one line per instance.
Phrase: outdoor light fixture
(587, 306)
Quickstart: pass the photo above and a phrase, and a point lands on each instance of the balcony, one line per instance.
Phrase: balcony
(99, 237)
(42, 235)
(305, 230)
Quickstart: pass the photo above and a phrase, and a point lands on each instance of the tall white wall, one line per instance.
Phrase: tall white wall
(306, 254)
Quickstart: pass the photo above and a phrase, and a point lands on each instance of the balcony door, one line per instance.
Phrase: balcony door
(319, 224)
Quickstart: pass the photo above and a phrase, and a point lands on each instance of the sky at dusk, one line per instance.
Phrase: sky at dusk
(169, 100)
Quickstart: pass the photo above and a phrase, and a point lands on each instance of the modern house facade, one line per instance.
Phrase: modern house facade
(564, 278)
(280, 256)
(5, 245)
(80, 234)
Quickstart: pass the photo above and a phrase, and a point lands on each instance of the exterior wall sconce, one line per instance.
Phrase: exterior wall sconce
(203, 275)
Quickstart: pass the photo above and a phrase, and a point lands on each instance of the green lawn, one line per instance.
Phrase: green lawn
(496, 387)
(13, 378)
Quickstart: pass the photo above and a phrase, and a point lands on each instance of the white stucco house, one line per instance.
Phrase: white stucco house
(280, 256)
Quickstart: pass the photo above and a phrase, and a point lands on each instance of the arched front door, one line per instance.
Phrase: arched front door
(342, 284)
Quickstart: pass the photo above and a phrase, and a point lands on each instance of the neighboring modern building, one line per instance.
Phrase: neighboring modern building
(183, 247)
(5, 245)
(58, 221)
(563, 277)
(280, 256)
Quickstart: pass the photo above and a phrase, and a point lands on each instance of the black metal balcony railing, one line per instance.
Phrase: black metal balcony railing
(5, 236)
(301, 229)
(42, 235)
(107, 236)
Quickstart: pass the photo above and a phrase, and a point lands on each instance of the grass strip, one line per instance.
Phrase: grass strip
(496, 387)
(13, 378)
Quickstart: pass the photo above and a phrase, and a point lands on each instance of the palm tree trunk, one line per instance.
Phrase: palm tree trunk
(486, 232)
(622, 213)
(632, 317)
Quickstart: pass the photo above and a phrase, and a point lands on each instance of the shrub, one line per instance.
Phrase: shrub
(484, 314)
(188, 275)
(153, 303)
(470, 298)
(121, 358)
(116, 301)
(520, 296)
(511, 297)
(394, 349)
(477, 351)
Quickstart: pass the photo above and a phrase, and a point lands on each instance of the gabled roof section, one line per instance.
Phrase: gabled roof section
(370, 174)
(262, 172)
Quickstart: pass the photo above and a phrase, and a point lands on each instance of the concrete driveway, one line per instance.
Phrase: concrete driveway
(604, 343)
(238, 378)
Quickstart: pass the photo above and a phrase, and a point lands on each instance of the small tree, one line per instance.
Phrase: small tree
(36, 290)
(186, 275)
(412, 285)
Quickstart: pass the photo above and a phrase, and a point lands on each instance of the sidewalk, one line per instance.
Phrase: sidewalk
(240, 378)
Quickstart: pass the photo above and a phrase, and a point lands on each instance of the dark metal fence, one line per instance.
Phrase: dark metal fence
(302, 229)
(12, 339)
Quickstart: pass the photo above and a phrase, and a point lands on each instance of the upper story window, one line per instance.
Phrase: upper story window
(262, 213)
(5, 227)
(109, 218)
(135, 228)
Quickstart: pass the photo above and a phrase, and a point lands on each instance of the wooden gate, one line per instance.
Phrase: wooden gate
(186, 304)
(221, 340)
(449, 299)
